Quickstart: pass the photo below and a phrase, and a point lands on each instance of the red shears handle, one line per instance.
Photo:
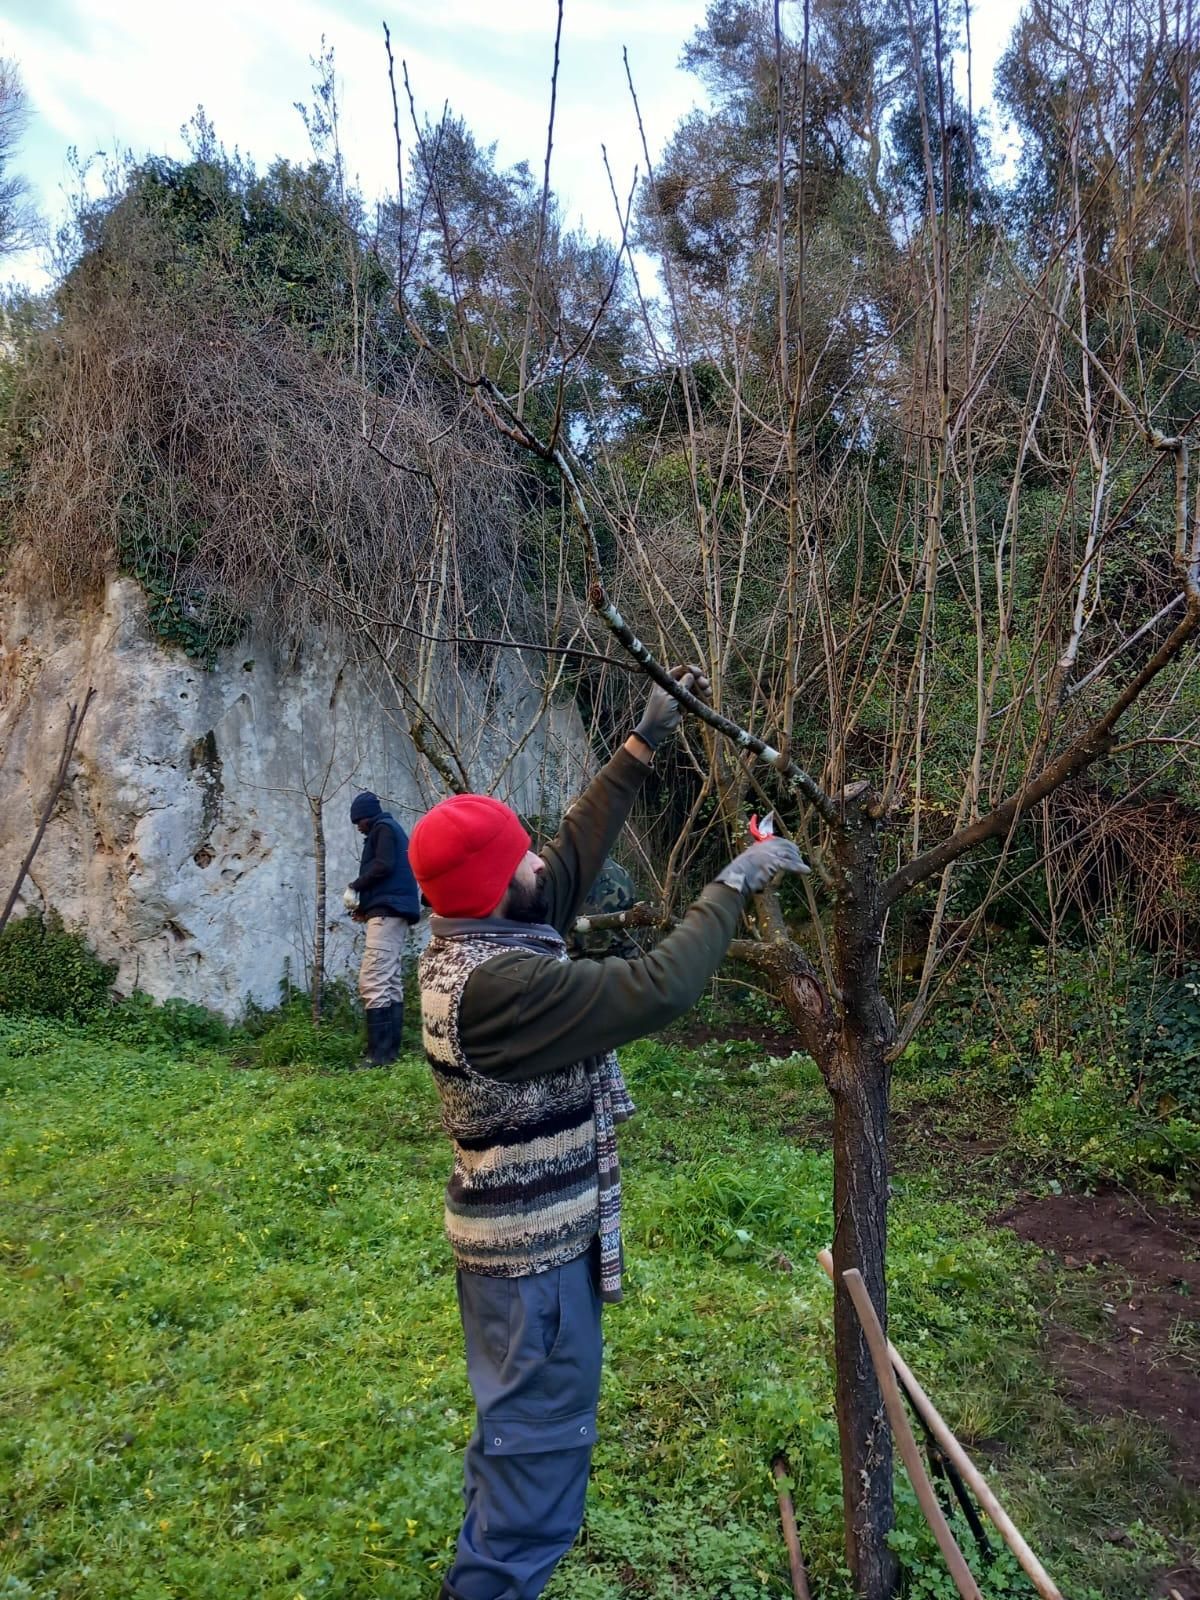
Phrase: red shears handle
(764, 829)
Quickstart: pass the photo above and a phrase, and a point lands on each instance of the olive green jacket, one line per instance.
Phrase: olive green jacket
(525, 1013)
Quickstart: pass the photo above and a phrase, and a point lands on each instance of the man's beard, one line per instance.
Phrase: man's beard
(527, 905)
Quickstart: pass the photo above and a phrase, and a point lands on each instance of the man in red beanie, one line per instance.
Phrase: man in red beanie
(520, 1041)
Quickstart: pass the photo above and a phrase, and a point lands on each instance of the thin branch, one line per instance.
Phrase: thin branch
(602, 604)
(75, 716)
(1098, 741)
(541, 233)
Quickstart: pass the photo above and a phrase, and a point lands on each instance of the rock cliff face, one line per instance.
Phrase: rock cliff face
(182, 844)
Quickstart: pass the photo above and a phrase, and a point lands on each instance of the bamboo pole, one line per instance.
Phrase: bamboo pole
(963, 1580)
(969, 1472)
(787, 1516)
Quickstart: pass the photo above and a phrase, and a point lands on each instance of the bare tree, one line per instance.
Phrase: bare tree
(16, 210)
(836, 515)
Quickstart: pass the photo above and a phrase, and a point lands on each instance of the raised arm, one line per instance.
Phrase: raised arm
(592, 825)
(525, 1014)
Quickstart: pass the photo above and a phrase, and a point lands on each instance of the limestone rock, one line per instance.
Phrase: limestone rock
(182, 844)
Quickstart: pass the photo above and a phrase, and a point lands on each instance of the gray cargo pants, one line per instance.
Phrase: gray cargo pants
(533, 1360)
(381, 975)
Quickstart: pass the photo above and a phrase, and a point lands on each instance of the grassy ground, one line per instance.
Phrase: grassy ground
(232, 1367)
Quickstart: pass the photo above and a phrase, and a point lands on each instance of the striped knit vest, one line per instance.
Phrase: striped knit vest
(524, 1193)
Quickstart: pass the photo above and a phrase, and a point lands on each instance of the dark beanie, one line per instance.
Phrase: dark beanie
(365, 806)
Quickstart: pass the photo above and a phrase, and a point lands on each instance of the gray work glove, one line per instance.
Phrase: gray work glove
(753, 870)
(663, 714)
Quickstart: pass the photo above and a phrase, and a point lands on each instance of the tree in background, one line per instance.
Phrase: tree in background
(16, 212)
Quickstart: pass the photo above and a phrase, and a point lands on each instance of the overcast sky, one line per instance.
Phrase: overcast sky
(106, 75)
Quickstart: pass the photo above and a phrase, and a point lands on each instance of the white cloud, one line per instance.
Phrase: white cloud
(115, 74)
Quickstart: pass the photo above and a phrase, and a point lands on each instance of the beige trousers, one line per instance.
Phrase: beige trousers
(380, 977)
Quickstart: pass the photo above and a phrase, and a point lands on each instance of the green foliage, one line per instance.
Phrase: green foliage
(288, 1037)
(1082, 1113)
(736, 1004)
(233, 1362)
(174, 1024)
(926, 1574)
(1095, 1048)
(48, 971)
(295, 1040)
(1165, 1025)
(280, 244)
(720, 1207)
(198, 626)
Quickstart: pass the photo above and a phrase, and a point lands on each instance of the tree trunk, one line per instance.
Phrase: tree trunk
(858, 1074)
(849, 1038)
(317, 806)
(860, 1194)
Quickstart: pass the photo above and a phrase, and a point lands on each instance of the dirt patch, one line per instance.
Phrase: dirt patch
(1140, 1264)
(1182, 1581)
(692, 1033)
(923, 1134)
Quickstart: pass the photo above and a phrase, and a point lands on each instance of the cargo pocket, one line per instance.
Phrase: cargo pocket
(520, 1436)
(552, 1374)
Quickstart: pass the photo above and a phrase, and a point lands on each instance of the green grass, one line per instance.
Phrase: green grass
(232, 1364)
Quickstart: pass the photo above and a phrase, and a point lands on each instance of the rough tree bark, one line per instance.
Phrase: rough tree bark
(858, 1075)
(850, 1037)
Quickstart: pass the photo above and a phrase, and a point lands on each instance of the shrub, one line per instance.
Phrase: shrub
(1166, 1025)
(47, 970)
(1086, 1116)
(142, 1020)
(339, 1007)
(290, 1038)
(26, 1038)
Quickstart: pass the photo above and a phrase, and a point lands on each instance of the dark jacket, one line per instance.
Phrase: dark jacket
(524, 1014)
(385, 883)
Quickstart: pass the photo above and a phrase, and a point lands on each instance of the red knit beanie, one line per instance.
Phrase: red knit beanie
(464, 853)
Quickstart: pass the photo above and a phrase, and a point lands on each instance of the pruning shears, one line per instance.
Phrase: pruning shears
(764, 829)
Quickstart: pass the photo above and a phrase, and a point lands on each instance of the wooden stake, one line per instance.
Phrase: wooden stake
(787, 1516)
(907, 1445)
(969, 1472)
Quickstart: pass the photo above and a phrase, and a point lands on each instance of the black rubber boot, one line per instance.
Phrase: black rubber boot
(379, 1035)
(397, 1027)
